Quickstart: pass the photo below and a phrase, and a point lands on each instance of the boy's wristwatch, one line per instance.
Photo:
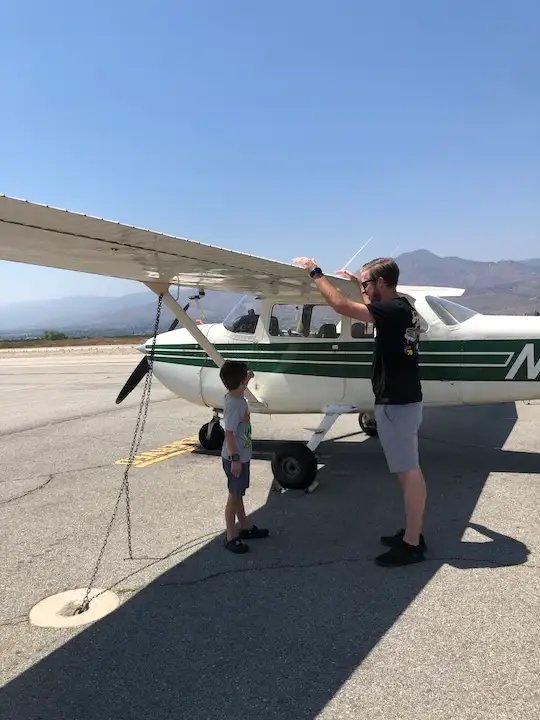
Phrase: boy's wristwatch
(235, 457)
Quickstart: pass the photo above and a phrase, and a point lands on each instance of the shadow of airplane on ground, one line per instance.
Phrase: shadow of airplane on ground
(277, 633)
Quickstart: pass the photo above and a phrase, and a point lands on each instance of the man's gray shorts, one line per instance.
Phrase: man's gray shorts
(397, 427)
(237, 485)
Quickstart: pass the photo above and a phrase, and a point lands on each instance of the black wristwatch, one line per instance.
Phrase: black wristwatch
(316, 273)
(235, 457)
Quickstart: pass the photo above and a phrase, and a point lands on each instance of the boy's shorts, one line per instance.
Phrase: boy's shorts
(237, 485)
(397, 428)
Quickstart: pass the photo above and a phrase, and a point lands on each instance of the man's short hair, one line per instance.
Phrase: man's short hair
(232, 373)
(385, 268)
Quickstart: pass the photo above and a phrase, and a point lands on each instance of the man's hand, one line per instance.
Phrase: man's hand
(349, 275)
(307, 263)
(236, 468)
(358, 280)
(337, 301)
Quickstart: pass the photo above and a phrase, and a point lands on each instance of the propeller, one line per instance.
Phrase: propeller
(140, 371)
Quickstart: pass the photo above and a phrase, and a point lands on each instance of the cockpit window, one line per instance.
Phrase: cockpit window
(449, 312)
(309, 321)
(244, 316)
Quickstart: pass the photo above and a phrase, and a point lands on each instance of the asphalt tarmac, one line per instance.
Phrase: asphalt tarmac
(303, 626)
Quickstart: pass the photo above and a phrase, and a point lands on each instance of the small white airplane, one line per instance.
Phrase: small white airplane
(305, 358)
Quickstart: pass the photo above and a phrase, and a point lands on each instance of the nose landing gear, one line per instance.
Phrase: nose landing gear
(211, 434)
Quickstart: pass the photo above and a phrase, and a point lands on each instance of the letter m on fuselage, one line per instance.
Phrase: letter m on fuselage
(526, 356)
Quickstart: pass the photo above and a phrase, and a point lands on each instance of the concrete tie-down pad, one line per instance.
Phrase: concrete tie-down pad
(59, 611)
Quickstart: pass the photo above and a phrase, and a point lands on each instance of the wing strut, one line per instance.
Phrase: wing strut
(195, 331)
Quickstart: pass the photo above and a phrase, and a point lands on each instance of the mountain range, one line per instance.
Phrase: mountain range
(132, 314)
(506, 287)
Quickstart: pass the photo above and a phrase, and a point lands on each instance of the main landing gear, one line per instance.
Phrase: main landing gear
(295, 465)
(368, 423)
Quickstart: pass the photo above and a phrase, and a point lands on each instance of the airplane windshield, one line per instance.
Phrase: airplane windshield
(244, 316)
(449, 312)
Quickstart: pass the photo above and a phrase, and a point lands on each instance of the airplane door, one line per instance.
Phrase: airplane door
(300, 364)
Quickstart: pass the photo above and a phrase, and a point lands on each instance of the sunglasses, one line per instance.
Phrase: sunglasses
(365, 283)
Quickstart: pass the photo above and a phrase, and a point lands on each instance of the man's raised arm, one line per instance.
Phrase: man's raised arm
(332, 295)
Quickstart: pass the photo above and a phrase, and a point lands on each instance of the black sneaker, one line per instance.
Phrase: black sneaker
(253, 533)
(401, 554)
(393, 540)
(236, 546)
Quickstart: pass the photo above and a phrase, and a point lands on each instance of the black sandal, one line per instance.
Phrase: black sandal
(236, 546)
(253, 533)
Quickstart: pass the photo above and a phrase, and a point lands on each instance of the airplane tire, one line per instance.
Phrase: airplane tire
(215, 441)
(368, 424)
(294, 466)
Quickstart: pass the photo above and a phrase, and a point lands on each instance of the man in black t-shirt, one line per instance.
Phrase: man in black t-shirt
(395, 379)
(395, 374)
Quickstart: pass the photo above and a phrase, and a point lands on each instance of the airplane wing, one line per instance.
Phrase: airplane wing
(41, 235)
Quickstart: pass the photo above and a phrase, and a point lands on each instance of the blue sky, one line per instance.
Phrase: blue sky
(279, 128)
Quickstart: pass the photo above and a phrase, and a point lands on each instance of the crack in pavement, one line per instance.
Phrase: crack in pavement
(479, 562)
(50, 477)
(59, 472)
(13, 622)
(335, 561)
(28, 492)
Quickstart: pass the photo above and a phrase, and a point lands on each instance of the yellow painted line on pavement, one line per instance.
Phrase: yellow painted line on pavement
(177, 447)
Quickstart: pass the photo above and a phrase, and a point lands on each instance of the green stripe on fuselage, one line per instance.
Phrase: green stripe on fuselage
(469, 360)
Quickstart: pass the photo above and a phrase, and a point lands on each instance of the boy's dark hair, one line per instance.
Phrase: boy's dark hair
(232, 373)
(385, 268)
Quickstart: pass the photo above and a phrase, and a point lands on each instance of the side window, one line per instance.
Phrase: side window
(325, 322)
(309, 321)
(286, 320)
(362, 330)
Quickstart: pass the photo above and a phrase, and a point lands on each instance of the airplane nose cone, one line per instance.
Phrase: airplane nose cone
(141, 349)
